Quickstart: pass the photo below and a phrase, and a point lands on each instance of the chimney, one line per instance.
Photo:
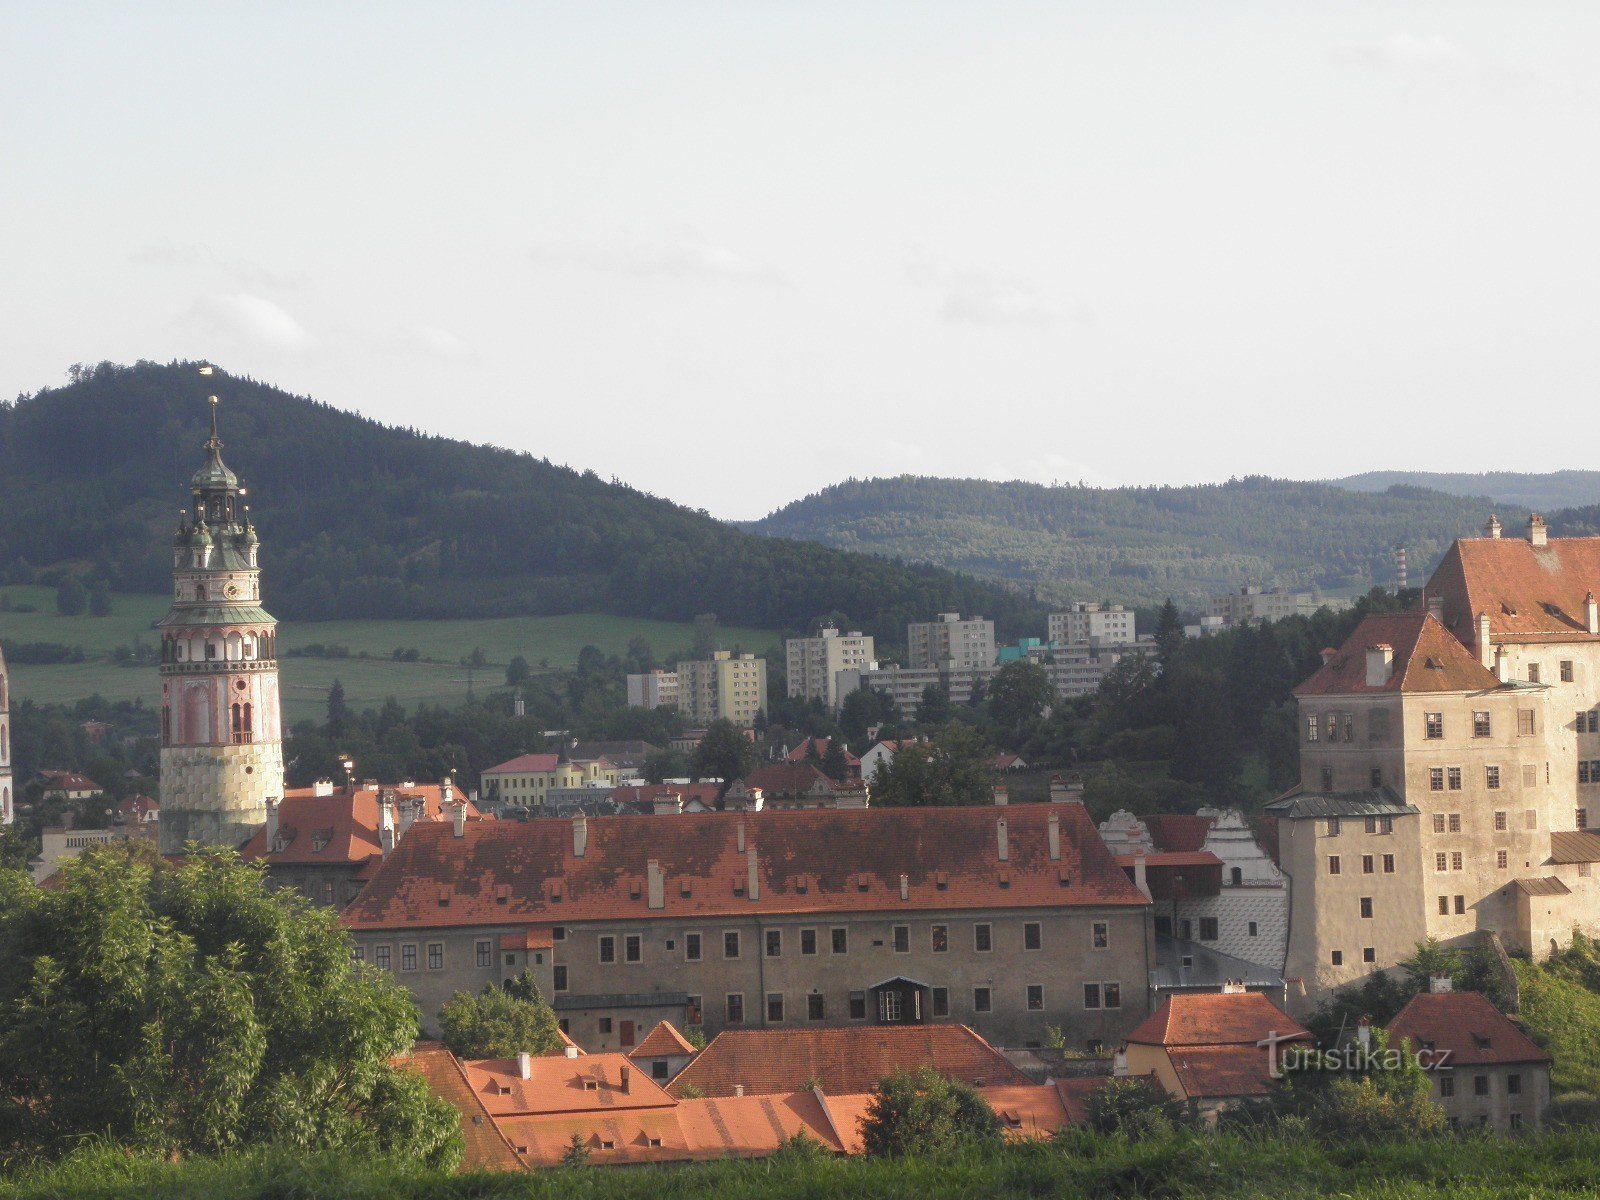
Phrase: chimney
(580, 835)
(668, 805)
(905, 887)
(753, 877)
(1327, 653)
(1492, 529)
(1000, 795)
(447, 791)
(625, 1080)
(738, 1090)
(1119, 1062)
(386, 826)
(1436, 608)
(1002, 840)
(1140, 879)
(524, 1065)
(1380, 664)
(1053, 824)
(1538, 535)
(740, 837)
(408, 814)
(1364, 1033)
(1233, 987)
(655, 884)
(1591, 610)
(1441, 983)
(272, 823)
(1485, 648)
(572, 1052)
(458, 817)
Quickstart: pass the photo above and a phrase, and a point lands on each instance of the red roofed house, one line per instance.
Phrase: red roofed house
(794, 785)
(802, 753)
(1486, 1072)
(138, 810)
(327, 841)
(1006, 920)
(666, 799)
(526, 780)
(664, 1052)
(1449, 766)
(1206, 1048)
(68, 785)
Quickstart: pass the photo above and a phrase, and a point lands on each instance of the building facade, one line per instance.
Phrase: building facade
(1091, 624)
(1006, 920)
(527, 780)
(1255, 604)
(725, 687)
(814, 663)
(221, 735)
(654, 689)
(949, 643)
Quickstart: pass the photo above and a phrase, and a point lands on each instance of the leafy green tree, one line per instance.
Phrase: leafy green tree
(724, 753)
(926, 1115)
(1367, 1096)
(862, 709)
(934, 709)
(666, 764)
(955, 767)
(1020, 693)
(192, 1009)
(518, 672)
(71, 597)
(500, 1022)
(1133, 1108)
(99, 598)
(640, 658)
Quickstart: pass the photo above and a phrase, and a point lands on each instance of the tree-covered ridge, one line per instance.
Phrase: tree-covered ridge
(359, 519)
(1538, 490)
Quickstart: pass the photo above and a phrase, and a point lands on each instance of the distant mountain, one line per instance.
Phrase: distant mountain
(1141, 544)
(1540, 492)
(359, 519)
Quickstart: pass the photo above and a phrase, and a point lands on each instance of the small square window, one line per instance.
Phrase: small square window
(1337, 958)
(1369, 954)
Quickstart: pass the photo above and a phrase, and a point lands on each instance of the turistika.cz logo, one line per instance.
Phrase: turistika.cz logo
(1287, 1052)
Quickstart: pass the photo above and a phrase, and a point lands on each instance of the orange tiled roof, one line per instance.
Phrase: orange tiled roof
(1427, 658)
(793, 779)
(1530, 593)
(557, 1084)
(800, 752)
(1474, 1031)
(1215, 1019)
(528, 763)
(817, 860)
(486, 1149)
(344, 823)
(664, 1041)
(645, 795)
(1218, 1072)
(842, 1060)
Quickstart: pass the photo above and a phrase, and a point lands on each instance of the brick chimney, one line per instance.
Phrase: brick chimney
(655, 884)
(1002, 839)
(1380, 664)
(1538, 535)
(752, 873)
(1492, 529)
(1327, 654)
(1053, 825)
(1141, 879)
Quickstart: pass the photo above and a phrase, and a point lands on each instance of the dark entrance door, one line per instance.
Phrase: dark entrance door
(900, 1001)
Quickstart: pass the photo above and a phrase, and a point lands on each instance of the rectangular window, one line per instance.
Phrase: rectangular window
(1032, 936)
(982, 938)
(816, 1007)
(382, 957)
(1375, 777)
(408, 957)
(1091, 995)
(1438, 822)
(484, 954)
(604, 1024)
(1111, 994)
(1453, 774)
(808, 941)
(1254, 929)
(1594, 720)
(981, 999)
(1581, 818)
(1366, 906)
(1208, 929)
(1533, 672)
(1441, 861)
(1311, 727)
(902, 939)
(1455, 822)
(858, 1006)
(733, 1008)
(1388, 864)
(358, 954)
(1455, 860)
(608, 948)
(1566, 670)
(1480, 724)
(1501, 859)
(1367, 864)
(1513, 1085)
(730, 944)
(775, 1008)
(774, 943)
(1433, 725)
(1502, 821)
(632, 948)
(1335, 827)
(1583, 770)
(941, 1002)
(691, 947)
(1100, 935)
(1436, 779)
(1035, 997)
(1480, 1085)
(1447, 1087)
(940, 939)
(1524, 722)
(1336, 958)
(1491, 778)
(1444, 906)
(1333, 864)
(1369, 954)
(1327, 779)
(561, 977)
(435, 956)
(840, 938)
(1461, 906)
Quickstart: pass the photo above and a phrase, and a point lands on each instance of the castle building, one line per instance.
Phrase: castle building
(221, 736)
(7, 801)
(1448, 769)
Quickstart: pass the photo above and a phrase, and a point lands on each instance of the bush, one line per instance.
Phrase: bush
(500, 1022)
(1135, 1109)
(923, 1113)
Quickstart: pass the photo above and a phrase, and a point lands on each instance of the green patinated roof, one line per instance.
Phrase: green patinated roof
(215, 474)
(218, 614)
(1367, 802)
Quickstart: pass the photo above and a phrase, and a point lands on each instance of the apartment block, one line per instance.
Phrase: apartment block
(950, 643)
(815, 663)
(1254, 605)
(656, 689)
(723, 687)
(1092, 624)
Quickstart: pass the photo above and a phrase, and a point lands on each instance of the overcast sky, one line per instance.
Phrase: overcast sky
(735, 253)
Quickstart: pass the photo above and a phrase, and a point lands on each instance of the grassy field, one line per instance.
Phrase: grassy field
(554, 641)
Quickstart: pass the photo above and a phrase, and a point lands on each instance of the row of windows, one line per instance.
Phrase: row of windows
(1446, 903)
(382, 956)
(1374, 825)
(1184, 928)
(1369, 954)
(891, 1004)
(1482, 724)
(1480, 1087)
(839, 941)
(1369, 864)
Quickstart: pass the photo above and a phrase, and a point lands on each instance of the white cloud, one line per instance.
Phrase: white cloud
(1413, 51)
(978, 297)
(197, 255)
(685, 260)
(440, 343)
(255, 319)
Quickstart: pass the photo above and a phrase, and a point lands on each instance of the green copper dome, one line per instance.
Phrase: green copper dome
(215, 473)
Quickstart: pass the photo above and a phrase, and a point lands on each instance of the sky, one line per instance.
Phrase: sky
(734, 253)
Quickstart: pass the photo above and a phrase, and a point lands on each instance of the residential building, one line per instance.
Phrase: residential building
(1253, 605)
(1092, 625)
(882, 754)
(629, 757)
(1213, 1050)
(221, 732)
(950, 644)
(668, 798)
(803, 753)
(68, 786)
(654, 689)
(664, 1053)
(1007, 920)
(1486, 1072)
(794, 785)
(815, 663)
(725, 687)
(527, 780)
(8, 812)
(755, 1062)
(137, 810)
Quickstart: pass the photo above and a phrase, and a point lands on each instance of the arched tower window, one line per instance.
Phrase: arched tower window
(240, 718)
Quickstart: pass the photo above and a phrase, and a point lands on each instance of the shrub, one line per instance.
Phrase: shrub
(500, 1022)
(923, 1113)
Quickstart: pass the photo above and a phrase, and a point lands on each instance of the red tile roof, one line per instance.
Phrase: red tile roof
(524, 764)
(344, 823)
(1474, 1031)
(645, 795)
(1200, 1019)
(485, 1148)
(68, 781)
(799, 753)
(1222, 1072)
(558, 1084)
(846, 1059)
(816, 860)
(1427, 658)
(793, 779)
(1178, 832)
(664, 1041)
(1530, 593)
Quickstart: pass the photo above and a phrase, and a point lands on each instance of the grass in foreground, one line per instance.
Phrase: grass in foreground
(1080, 1165)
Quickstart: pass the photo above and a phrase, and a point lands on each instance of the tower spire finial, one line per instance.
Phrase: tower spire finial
(215, 440)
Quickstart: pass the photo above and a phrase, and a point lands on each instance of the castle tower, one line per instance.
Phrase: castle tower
(7, 801)
(221, 737)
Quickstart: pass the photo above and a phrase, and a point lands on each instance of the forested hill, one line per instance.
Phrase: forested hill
(362, 520)
(1141, 544)
(1542, 492)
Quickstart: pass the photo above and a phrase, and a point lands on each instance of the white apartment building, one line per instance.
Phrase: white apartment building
(1090, 624)
(1254, 604)
(724, 686)
(949, 643)
(657, 689)
(815, 663)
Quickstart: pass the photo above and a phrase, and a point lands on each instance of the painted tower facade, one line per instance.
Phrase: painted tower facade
(221, 735)
(8, 812)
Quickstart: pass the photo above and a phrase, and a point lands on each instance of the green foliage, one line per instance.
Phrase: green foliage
(724, 753)
(922, 1113)
(193, 1010)
(500, 1022)
(1381, 997)
(1018, 696)
(71, 597)
(1560, 1001)
(518, 672)
(1134, 1109)
(577, 1152)
(955, 767)
(1369, 1096)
